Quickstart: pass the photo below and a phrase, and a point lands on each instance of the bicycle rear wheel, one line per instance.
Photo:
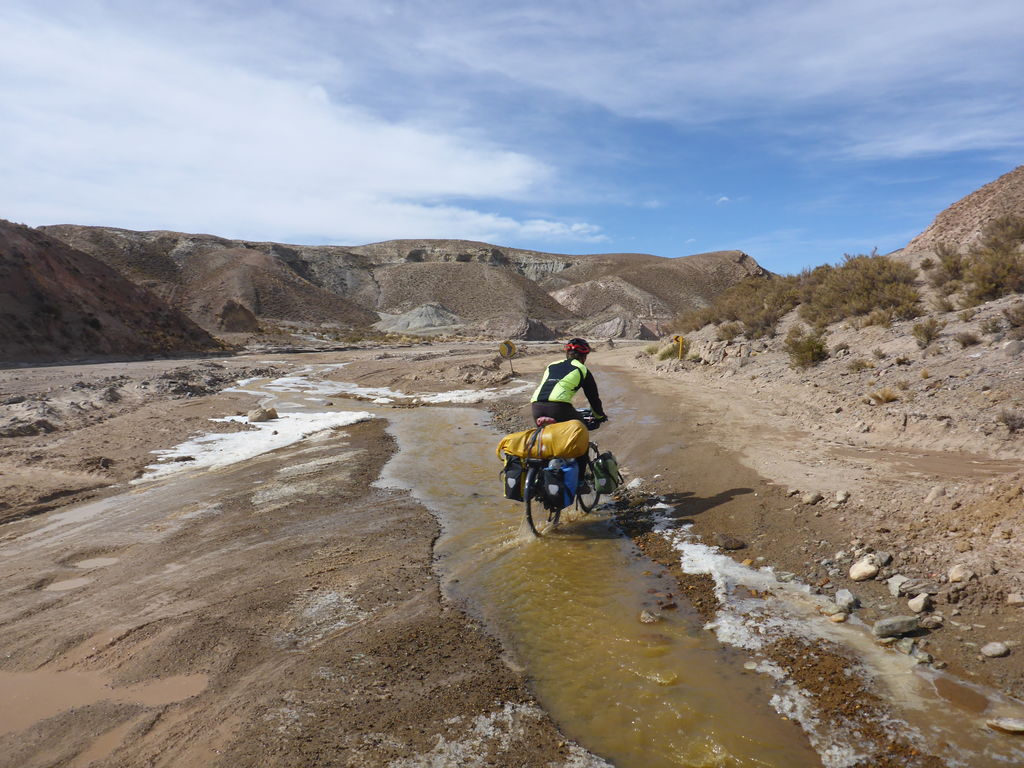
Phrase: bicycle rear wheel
(586, 492)
(537, 511)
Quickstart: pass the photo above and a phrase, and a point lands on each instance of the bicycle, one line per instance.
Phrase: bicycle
(536, 499)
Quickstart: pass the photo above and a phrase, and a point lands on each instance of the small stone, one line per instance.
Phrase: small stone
(905, 645)
(995, 650)
(837, 618)
(635, 483)
(811, 498)
(895, 626)
(750, 666)
(648, 617)
(917, 586)
(1013, 348)
(846, 600)
(921, 602)
(933, 621)
(842, 497)
(1006, 724)
(895, 582)
(748, 561)
(960, 573)
(1016, 599)
(725, 541)
(793, 492)
(864, 569)
(936, 493)
(883, 558)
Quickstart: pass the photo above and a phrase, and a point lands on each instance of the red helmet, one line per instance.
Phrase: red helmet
(577, 345)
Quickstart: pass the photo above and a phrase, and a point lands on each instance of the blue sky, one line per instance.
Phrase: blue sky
(796, 131)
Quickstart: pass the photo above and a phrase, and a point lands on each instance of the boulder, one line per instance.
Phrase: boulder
(895, 626)
(864, 569)
(995, 650)
(257, 415)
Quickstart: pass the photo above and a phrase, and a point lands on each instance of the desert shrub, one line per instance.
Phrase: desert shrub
(878, 353)
(880, 317)
(902, 384)
(1015, 334)
(925, 374)
(651, 349)
(1015, 315)
(967, 339)
(967, 315)
(1014, 420)
(902, 360)
(949, 270)
(672, 350)
(995, 264)
(884, 395)
(941, 304)
(992, 325)
(840, 347)
(927, 263)
(758, 303)
(859, 364)
(927, 331)
(805, 347)
(858, 287)
(729, 331)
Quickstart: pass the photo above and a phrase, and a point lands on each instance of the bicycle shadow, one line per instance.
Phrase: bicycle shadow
(685, 504)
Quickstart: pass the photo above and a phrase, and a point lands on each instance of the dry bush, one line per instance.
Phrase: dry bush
(927, 263)
(859, 287)
(903, 360)
(1015, 315)
(805, 347)
(859, 364)
(672, 350)
(925, 374)
(950, 269)
(992, 325)
(729, 331)
(878, 353)
(941, 304)
(1014, 420)
(757, 302)
(884, 395)
(967, 339)
(902, 384)
(967, 315)
(927, 331)
(652, 349)
(996, 264)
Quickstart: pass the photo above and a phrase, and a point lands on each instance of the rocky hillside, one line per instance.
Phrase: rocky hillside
(471, 287)
(961, 224)
(57, 303)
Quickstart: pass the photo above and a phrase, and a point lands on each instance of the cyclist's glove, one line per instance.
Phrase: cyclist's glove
(600, 419)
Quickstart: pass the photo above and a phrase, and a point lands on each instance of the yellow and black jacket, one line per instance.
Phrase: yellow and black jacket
(561, 382)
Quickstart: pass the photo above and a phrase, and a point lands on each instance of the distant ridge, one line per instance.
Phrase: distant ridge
(57, 303)
(491, 289)
(960, 224)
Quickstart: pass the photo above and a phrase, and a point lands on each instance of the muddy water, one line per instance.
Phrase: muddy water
(663, 694)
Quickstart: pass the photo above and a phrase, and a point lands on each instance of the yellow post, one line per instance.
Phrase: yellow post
(679, 340)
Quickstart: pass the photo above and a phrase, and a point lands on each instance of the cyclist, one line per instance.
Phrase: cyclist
(562, 379)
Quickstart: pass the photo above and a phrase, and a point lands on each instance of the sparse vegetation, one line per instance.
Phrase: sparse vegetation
(757, 304)
(902, 384)
(996, 264)
(859, 364)
(927, 331)
(859, 287)
(902, 360)
(651, 349)
(884, 395)
(967, 339)
(968, 314)
(1015, 315)
(925, 373)
(941, 304)
(992, 325)
(878, 353)
(927, 263)
(729, 331)
(1014, 420)
(805, 347)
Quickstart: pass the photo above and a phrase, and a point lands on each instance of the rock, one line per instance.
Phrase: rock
(921, 602)
(960, 573)
(1006, 724)
(934, 621)
(842, 497)
(906, 645)
(648, 617)
(1013, 348)
(846, 600)
(995, 650)
(811, 498)
(935, 494)
(862, 426)
(261, 414)
(895, 626)
(883, 558)
(917, 586)
(725, 541)
(635, 483)
(864, 569)
(895, 582)
(837, 618)
(1016, 599)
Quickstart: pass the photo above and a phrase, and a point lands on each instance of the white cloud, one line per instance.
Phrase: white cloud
(722, 200)
(108, 124)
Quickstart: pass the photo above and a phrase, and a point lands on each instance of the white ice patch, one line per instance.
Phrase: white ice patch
(212, 451)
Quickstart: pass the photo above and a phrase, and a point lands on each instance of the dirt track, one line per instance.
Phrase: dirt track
(288, 614)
